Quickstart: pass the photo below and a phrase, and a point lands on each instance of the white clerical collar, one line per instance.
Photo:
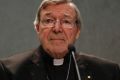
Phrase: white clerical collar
(58, 62)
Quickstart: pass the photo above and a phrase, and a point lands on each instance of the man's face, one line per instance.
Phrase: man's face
(57, 29)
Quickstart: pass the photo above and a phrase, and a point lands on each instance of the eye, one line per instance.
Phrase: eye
(67, 21)
(47, 21)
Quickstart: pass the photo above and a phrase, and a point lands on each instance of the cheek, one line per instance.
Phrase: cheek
(71, 35)
(43, 35)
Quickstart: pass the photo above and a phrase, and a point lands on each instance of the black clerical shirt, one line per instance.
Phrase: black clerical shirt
(59, 72)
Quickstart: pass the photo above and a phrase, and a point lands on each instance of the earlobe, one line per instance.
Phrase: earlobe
(78, 34)
(36, 27)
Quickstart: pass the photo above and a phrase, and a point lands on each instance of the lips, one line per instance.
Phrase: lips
(57, 39)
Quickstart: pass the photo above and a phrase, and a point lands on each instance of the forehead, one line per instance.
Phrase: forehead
(59, 10)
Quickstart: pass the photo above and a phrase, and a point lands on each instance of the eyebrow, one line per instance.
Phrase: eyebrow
(67, 16)
(49, 14)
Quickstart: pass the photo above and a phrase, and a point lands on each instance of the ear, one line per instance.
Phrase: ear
(36, 27)
(78, 33)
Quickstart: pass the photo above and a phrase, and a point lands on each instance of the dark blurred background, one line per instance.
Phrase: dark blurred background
(100, 35)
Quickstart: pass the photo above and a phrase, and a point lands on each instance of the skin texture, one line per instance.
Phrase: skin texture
(56, 39)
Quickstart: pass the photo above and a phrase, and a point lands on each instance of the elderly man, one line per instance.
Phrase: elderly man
(58, 25)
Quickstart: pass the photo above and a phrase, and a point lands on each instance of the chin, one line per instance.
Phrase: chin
(59, 52)
(60, 55)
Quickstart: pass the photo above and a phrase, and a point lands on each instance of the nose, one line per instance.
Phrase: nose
(57, 27)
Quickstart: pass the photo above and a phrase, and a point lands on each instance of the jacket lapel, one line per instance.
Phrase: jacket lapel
(38, 69)
(89, 69)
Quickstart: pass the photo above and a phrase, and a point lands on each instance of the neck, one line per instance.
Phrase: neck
(49, 60)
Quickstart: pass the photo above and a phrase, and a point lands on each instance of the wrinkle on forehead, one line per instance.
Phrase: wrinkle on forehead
(66, 10)
(65, 15)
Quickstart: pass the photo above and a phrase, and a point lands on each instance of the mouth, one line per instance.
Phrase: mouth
(57, 40)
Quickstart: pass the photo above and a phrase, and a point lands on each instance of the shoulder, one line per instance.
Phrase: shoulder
(98, 63)
(101, 68)
(4, 73)
(94, 59)
(13, 62)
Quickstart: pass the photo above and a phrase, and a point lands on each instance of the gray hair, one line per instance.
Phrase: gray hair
(45, 3)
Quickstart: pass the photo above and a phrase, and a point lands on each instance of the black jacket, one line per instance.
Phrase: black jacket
(30, 66)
